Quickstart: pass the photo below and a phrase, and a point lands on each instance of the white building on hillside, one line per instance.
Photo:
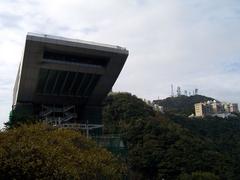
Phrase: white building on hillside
(214, 108)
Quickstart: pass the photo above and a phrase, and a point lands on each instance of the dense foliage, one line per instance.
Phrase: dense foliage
(171, 146)
(161, 149)
(181, 104)
(42, 152)
(122, 108)
(223, 133)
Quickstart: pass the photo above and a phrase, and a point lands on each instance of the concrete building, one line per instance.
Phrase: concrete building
(202, 109)
(233, 107)
(64, 81)
(214, 108)
(230, 107)
(199, 109)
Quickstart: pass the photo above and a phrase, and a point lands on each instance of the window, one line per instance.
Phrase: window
(82, 59)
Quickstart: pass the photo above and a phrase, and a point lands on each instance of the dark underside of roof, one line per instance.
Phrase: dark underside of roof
(66, 83)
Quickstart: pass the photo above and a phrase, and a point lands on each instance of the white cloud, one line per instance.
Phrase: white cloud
(194, 44)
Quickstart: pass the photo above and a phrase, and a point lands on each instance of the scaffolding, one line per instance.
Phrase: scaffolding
(65, 117)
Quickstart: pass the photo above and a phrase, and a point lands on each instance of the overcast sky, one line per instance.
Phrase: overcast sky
(187, 43)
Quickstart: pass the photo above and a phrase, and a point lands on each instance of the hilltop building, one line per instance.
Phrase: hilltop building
(154, 105)
(64, 81)
(214, 108)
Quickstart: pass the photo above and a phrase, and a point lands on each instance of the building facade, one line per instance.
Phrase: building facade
(212, 108)
(64, 81)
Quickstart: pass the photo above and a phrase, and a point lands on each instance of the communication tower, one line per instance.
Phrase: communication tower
(172, 93)
(179, 91)
(196, 91)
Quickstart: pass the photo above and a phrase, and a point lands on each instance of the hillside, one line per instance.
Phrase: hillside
(171, 146)
(181, 104)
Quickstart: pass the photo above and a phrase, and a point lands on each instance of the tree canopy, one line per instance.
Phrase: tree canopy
(159, 148)
(171, 146)
(43, 152)
(122, 108)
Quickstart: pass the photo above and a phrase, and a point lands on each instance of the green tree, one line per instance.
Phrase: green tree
(43, 152)
(19, 115)
(122, 108)
(159, 148)
(223, 133)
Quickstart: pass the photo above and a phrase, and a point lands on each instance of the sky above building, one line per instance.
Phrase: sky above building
(187, 43)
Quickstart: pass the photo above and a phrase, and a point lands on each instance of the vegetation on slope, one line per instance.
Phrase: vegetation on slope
(42, 152)
(122, 108)
(224, 133)
(160, 148)
(181, 104)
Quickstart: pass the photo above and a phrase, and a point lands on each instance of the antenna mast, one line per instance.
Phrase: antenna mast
(172, 93)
